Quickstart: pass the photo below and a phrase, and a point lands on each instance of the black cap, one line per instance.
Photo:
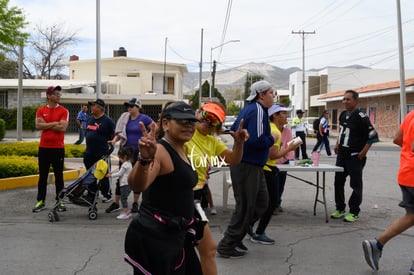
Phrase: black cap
(300, 111)
(99, 102)
(179, 110)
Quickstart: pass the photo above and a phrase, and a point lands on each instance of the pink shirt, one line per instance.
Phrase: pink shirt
(286, 137)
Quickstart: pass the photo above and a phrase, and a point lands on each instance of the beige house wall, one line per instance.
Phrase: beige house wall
(130, 76)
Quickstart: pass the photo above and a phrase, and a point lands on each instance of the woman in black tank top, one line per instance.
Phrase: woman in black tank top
(155, 242)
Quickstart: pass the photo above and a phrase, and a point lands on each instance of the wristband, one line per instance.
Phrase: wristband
(144, 161)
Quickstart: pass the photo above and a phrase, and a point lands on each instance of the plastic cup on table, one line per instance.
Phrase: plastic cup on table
(315, 158)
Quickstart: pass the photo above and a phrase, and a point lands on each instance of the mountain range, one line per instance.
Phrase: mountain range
(235, 78)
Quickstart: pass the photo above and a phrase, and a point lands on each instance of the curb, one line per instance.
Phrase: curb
(31, 181)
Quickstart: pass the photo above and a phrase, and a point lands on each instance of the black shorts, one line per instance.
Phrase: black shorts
(407, 199)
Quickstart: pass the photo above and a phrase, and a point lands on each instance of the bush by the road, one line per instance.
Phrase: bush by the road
(16, 166)
(23, 148)
(20, 158)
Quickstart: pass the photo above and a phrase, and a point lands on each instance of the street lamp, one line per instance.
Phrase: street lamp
(211, 62)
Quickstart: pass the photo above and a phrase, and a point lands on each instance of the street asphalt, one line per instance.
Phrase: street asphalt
(305, 244)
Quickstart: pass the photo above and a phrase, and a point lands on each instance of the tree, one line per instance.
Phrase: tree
(285, 101)
(8, 68)
(205, 91)
(47, 53)
(12, 21)
(250, 79)
(233, 109)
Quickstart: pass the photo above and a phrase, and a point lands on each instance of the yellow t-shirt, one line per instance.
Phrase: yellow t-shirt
(204, 152)
(273, 130)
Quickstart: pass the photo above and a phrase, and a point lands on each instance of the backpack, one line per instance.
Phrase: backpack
(316, 123)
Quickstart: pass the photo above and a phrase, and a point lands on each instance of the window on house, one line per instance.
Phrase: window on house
(293, 90)
(133, 75)
(3, 100)
(389, 107)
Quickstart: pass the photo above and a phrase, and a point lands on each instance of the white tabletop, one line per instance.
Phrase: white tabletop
(310, 168)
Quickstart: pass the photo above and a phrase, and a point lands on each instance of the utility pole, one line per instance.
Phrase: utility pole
(302, 33)
(403, 97)
(201, 71)
(98, 49)
(213, 79)
(165, 65)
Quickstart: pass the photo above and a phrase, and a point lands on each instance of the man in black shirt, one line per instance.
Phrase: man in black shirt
(356, 135)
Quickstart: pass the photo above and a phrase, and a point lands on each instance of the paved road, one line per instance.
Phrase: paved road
(305, 244)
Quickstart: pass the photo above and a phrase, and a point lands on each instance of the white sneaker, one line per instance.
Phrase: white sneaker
(124, 216)
(213, 211)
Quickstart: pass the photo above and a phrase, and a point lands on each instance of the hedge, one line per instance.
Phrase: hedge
(19, 158)
(16, 166)
(24, 148)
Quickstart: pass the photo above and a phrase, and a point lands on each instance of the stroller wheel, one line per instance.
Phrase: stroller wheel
(50, 217)
(56, 216)
(93, 215)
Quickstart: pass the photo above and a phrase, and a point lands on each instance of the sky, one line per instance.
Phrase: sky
(347, 32)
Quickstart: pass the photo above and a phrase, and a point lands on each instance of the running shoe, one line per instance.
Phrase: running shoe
(372, 253)
(134, 208)
(112, 208)
(262, 239)
(338, 214)
(39, 206)
(241, 247)
(213, 211)
(233, 254)
(106, 200)
(124, 216)
(351, 217)
(250, 231)
(61, 207)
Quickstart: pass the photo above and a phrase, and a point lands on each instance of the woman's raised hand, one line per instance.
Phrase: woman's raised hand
(147, 144)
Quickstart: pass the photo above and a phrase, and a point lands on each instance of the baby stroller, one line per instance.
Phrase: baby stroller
(85, 190)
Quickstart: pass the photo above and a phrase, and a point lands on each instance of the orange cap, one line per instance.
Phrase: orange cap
(215, 109)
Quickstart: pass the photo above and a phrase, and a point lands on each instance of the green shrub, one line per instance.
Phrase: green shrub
(15, 166)
(2, 129)
(25, 148)
(28, 118)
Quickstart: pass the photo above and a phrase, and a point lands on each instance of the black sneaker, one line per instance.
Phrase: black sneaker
(233, 254)
(39, 206)
(112, 208)
(134, 208)
(60, 207)
(241, 247)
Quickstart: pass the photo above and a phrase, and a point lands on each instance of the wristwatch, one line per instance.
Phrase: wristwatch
(144, 161)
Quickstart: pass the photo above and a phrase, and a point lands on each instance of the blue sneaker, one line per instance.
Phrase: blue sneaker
(412, 269)
(250, 232)
(372, 253)
(262, 239)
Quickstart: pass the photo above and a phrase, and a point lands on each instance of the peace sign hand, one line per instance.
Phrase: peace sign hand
(147, 144)
(241, 135)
